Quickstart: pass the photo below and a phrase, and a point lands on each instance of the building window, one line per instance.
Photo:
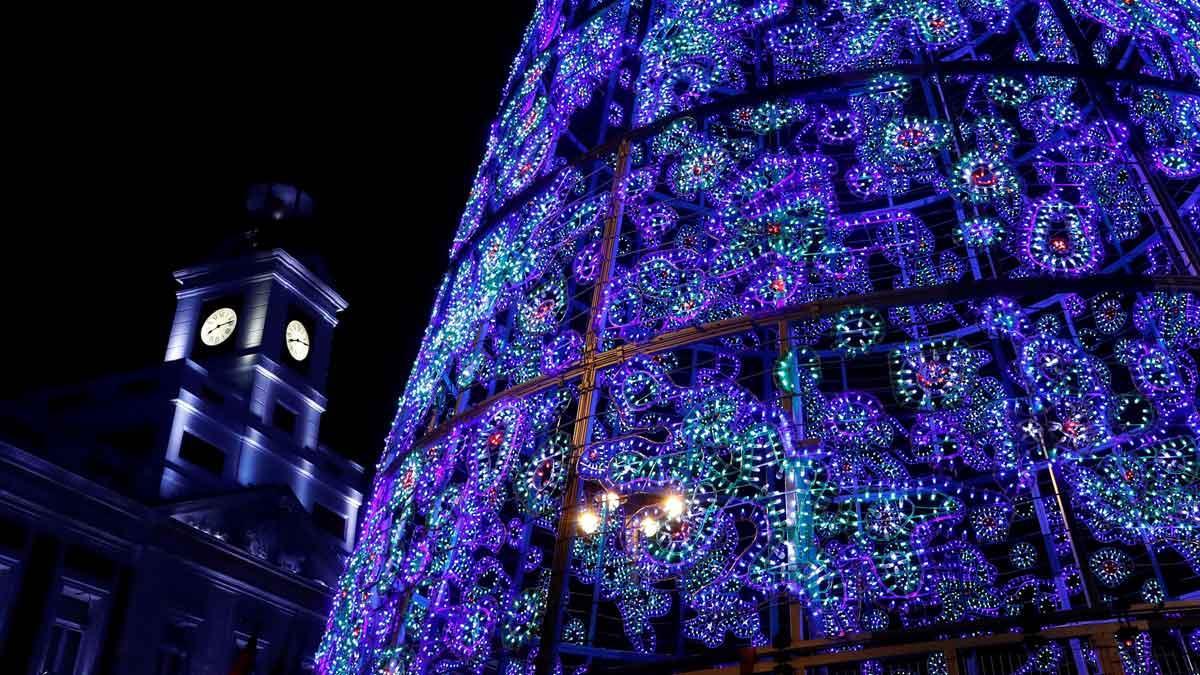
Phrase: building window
(63, 650)
(71, 621)
(331, 522)
(202, 453)
(284, 419)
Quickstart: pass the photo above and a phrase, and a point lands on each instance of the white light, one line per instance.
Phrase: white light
(296, 340)
(673, 506)
(612, 500)
(218, 326)
(589, 522)
(650, 527)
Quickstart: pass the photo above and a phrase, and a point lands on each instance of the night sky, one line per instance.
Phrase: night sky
(133, 156)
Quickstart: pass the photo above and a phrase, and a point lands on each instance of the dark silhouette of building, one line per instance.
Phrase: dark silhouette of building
(155, 522)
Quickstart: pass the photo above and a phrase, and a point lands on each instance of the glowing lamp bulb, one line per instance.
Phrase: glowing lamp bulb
(612, 500)
(673, 506)
(589, 522)
(650, 527)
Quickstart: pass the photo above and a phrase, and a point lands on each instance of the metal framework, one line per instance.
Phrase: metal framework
(833, 336)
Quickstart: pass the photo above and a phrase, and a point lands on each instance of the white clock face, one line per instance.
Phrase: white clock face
(218, 326)
(297, 340)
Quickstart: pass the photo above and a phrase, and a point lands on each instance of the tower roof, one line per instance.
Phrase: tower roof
(278, 263)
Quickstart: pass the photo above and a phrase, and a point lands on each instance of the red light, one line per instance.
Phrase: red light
(983, 176)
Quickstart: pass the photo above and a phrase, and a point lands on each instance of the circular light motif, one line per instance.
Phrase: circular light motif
(1111, 567)
(856, 330)
(979, 179)
(886, 520)
(864, 180)
(1152, 592)
(839, 127)
(980, 232)
(1023, 555)
(991, 523)
(1008, 91)
(1059, 240)
(913, 135)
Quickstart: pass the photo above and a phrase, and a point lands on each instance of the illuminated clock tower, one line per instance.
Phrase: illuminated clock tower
(253, 335)
(160, 521)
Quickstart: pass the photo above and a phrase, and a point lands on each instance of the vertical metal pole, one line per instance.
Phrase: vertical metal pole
(950, 654)
(796, 505)
(1109, 658)
(1064, 597)
(552, 619)
(1089, 596)
(971, 661)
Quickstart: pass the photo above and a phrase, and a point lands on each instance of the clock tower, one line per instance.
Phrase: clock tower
(163, 519)
(253, 336)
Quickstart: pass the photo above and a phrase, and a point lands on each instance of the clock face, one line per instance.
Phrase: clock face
(218, 326)
(297, 340)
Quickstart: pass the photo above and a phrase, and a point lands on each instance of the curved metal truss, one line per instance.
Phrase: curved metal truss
(792, 325)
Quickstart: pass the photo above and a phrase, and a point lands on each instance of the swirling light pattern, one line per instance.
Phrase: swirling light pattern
(883, 312)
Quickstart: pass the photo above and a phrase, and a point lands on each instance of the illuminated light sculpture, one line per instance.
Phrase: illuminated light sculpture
(864, 315)
(857, 329)
(1059, 240)
(1112, 566)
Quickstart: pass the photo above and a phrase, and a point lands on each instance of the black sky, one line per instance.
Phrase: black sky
(134, 148)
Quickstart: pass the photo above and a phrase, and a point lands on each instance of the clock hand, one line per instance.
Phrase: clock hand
(214, 328)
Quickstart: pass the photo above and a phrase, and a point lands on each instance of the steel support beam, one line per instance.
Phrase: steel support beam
(818, 308)
(559, 574)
